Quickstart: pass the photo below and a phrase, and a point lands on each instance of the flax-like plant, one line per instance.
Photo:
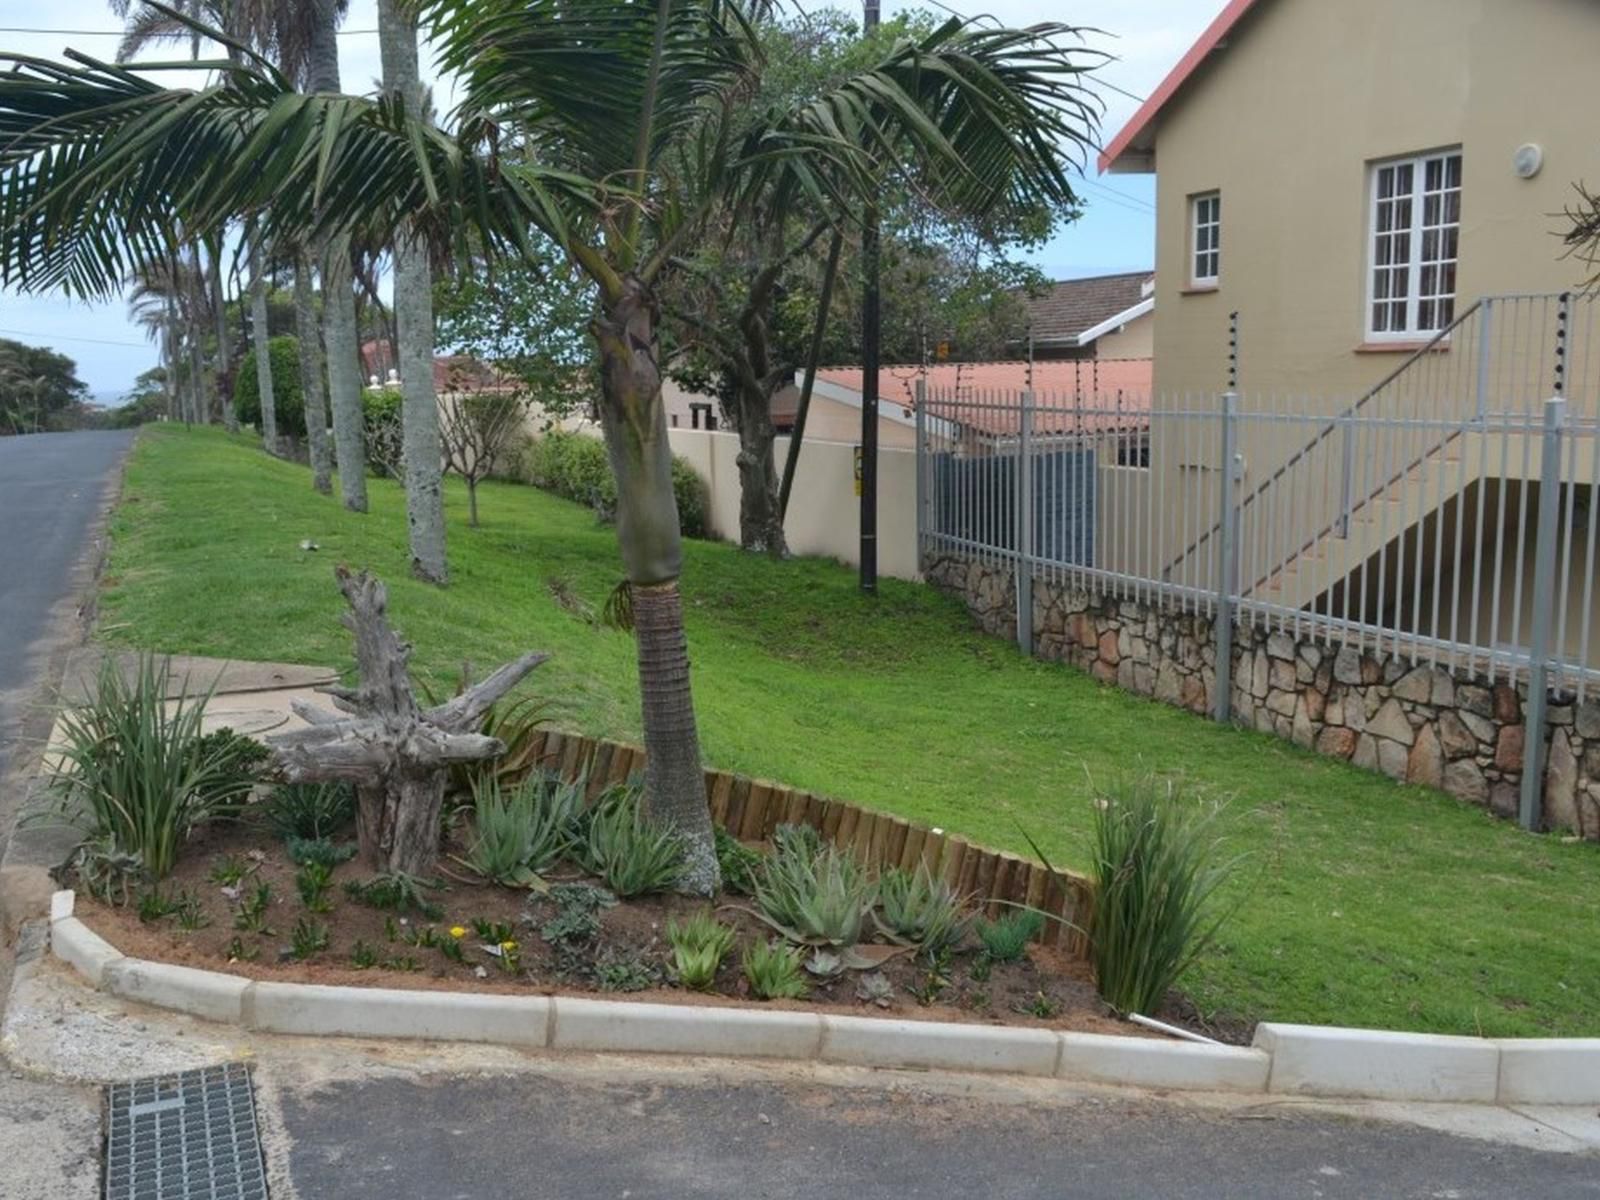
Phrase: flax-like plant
(1156, 868)
(135, 774)
(632, 853)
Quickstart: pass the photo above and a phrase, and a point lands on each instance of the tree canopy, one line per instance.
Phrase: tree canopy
(39, 390)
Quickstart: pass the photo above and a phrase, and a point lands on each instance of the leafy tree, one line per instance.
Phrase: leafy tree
(39, 390)
(618, 131)
(477, 424)
(145, 401)
(284, 364)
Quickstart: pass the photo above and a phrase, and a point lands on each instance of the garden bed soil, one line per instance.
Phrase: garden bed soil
(627, 959)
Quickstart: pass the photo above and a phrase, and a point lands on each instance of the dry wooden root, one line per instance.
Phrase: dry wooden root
(397, 753)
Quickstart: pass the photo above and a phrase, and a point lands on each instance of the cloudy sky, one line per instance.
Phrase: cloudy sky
(1116, 233)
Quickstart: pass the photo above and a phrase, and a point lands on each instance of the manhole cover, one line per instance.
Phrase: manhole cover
(190, 1136)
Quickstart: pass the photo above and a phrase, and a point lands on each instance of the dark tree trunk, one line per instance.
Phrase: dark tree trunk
(755, 380)
(635, 426)
(472, 501)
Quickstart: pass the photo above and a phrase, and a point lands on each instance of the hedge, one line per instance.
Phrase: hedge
(575, 466)
(288, 402)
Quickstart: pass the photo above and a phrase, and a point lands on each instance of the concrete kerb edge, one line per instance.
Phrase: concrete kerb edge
(1298, 1060)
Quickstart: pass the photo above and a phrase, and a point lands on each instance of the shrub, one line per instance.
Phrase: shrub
(309, 810)
(575, 466)
(921, 910)
(577, 916)
(628, 850)
(381, 431)
(1155, 872)
(521, 831)
(817, 896)
(698, 947)
(135, 777)
(1005, 940)
(773, 971)
(288, 401)
(737, 863)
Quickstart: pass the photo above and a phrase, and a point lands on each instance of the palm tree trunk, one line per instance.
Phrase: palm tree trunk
(219, 311)
(305, 321)
(338, 295)
(344, 372)
(259, 341)
(413, 316)
(635, 424)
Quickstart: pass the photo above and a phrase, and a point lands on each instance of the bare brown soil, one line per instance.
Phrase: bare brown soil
(1044, 990)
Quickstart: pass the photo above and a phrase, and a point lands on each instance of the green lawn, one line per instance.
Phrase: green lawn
(1360, 902)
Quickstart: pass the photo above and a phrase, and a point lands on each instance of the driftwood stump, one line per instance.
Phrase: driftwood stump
(397, 753)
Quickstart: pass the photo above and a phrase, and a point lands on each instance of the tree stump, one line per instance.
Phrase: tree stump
(396, 753)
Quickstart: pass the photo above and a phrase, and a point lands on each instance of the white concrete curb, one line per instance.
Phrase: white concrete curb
(1301, 1060)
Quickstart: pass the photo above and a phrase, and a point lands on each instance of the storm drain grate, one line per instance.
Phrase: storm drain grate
(190, 1136)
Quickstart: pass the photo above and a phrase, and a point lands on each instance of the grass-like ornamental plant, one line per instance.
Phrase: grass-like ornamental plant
(309, 810)
(773, 971)
(698, 947)
(1155, 868)
(1006, 939)
(625, 848)
(920, 910)
(520, 830)
(136, 775)
(814, 894)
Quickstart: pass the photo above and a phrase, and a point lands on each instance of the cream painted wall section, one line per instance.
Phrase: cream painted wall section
(824, 510)
(1136, 339)
(1284, 122)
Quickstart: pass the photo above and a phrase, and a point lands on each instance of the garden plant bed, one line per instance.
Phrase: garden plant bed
(629, 957)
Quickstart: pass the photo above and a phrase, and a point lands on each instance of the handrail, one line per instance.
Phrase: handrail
(1327, 430)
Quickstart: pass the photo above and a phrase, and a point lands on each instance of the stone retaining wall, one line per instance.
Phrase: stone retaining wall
(1414, 723)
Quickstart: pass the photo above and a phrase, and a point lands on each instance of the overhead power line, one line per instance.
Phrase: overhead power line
(62, 337)
(116, 33)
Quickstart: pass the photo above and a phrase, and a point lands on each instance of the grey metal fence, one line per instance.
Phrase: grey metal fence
(1444, 522)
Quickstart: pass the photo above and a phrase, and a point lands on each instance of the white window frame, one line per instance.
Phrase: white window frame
(1213, 246)
(1413, 261)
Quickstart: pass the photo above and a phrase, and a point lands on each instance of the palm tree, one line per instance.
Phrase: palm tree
(413, 310)
(611, 129)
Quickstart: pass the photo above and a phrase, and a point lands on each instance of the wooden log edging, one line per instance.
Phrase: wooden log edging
(751, 809)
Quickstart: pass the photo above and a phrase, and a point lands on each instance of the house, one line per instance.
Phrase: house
(1089, 337)
(1357, 209)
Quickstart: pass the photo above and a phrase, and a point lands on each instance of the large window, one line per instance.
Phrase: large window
(1415, 235)
(1205, 239)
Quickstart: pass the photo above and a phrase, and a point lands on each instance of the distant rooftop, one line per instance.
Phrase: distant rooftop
(1073, 308)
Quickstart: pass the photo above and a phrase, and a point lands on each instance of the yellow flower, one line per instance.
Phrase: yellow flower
(458, 931)
(508, 947)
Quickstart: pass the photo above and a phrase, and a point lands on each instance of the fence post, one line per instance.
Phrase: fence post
(1227, 560)
(1024, 566)
(921, 414)
(1530, 809)
(1485, 337)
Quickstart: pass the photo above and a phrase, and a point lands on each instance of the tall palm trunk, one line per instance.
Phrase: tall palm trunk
(635, 424)
(413, 315)
(260, 342)
(169, 353)
(219, 310)
(305, 322)
(338, 296)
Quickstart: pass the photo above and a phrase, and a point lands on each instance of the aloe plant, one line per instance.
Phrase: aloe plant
(818, 897)
(920, 910)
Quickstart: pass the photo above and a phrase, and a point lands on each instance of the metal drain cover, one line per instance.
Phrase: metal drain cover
(190, 1136)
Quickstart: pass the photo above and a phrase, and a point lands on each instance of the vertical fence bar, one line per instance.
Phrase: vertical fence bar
(1529, 812)
(921, 415)
(1227, 559)
(1024, 571)
(1485, 336)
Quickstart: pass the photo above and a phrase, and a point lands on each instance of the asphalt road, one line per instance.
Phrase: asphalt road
(545, 1138)
(52, 488)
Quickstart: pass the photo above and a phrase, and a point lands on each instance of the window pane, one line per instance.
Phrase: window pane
(1385, 182)
(1430, 281)
(1452, 173)
(1452, 207)
(1447, 311)
(1425, 315)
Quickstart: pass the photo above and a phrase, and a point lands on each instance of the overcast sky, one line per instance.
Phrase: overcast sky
(1117, 232)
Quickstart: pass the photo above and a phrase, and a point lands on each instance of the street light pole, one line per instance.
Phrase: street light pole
(870, 354)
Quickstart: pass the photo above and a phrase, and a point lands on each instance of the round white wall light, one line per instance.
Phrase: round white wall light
(1527, 160)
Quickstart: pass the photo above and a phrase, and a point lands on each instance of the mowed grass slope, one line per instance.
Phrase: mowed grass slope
(1359, 901)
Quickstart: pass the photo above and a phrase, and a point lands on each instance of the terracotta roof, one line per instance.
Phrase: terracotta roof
(1137, 134)
(451, 372)
(1073, 307)
(1079, 394)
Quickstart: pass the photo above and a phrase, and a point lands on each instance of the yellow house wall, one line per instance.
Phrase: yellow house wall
(1136, 339)
(1284, 122)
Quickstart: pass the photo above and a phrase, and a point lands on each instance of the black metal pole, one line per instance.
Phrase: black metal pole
(870, 353)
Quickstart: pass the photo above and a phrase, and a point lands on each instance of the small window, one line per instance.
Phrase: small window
(1414, 237)
(1205, 239)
